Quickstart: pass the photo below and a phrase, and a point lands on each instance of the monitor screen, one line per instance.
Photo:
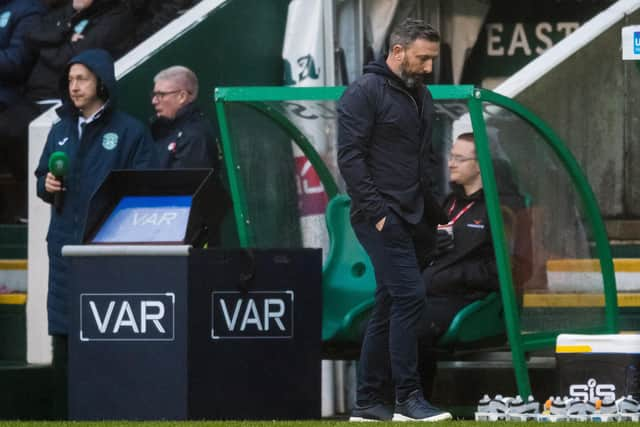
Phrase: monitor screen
(146, 219)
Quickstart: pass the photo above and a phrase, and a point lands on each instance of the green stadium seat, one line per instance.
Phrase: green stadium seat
(479, 321)
(348, 281)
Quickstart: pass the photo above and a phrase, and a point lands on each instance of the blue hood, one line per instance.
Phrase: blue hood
(100, 63)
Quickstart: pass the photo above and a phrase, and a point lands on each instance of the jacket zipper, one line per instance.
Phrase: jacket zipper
(415, 104)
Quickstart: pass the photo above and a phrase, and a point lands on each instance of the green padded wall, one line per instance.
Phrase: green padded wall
(238, 44)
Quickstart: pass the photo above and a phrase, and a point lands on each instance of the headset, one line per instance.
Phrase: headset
(102, 91)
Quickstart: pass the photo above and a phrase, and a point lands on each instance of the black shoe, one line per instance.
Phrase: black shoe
(416, 408)
(375, 412)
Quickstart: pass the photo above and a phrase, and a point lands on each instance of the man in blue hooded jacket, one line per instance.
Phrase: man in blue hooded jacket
(96, 138)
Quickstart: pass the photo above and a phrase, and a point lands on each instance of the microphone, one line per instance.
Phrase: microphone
(59, 166)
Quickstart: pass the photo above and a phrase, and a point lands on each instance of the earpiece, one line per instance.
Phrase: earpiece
(102, 92)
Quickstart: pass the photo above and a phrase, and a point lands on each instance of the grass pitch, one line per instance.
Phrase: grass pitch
(323, 423)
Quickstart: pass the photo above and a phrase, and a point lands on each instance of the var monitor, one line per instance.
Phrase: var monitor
(180, 206)
(152, 219)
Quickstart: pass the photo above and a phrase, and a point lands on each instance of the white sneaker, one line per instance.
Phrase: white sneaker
(606, 410)
(494, 409)
(579, 410)
(628, 408)
(519, 410)
(555, 409)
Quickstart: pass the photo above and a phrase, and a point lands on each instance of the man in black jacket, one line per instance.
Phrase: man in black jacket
(464, 266)
(17, 19)
(387, 161)
(462, 269)
(183, 136)
(63, 33)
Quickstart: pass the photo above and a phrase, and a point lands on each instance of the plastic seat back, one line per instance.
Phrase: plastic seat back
(348, 282)
(479, 321)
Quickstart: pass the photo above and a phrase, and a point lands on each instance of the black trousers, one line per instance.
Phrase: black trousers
(437, 316)
(389, 350)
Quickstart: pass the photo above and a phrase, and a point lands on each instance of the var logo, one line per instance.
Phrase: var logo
(127, 317)
(257, 314)
(636, 42)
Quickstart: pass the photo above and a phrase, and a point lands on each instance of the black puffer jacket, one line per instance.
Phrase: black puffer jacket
(385, 153)
(468, 270)
(106, 24)
(17, 18)
(185, 142)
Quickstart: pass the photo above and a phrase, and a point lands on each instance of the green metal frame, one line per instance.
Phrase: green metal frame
(256, 98)
(581, 183)
(519, 342)
(250, 98)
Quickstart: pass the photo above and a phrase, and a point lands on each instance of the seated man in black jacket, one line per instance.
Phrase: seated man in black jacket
(183, 136)
(463, 268)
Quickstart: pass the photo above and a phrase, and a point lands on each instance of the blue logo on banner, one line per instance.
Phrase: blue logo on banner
(636, 43)
(127, 317)
(253, 314)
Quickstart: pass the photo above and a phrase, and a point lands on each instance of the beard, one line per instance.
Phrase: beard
(410, 79)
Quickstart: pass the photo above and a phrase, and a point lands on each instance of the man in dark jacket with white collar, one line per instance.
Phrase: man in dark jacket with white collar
(96, 138)
(183, 135)
(385, 155)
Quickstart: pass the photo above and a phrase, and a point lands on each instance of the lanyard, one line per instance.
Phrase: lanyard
(459, 214)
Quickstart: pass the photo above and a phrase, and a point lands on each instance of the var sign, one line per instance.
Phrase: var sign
(259, 314)
(127, 317)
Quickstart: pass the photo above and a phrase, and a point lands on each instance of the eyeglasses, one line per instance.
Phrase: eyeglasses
(455, 158)
(160, 95)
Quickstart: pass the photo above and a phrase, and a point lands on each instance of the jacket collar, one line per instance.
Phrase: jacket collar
(162, 124)
(457, 191)
(381, 68)
(69, 111)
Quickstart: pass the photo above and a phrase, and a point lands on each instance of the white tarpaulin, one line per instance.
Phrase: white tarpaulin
(303, 54)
